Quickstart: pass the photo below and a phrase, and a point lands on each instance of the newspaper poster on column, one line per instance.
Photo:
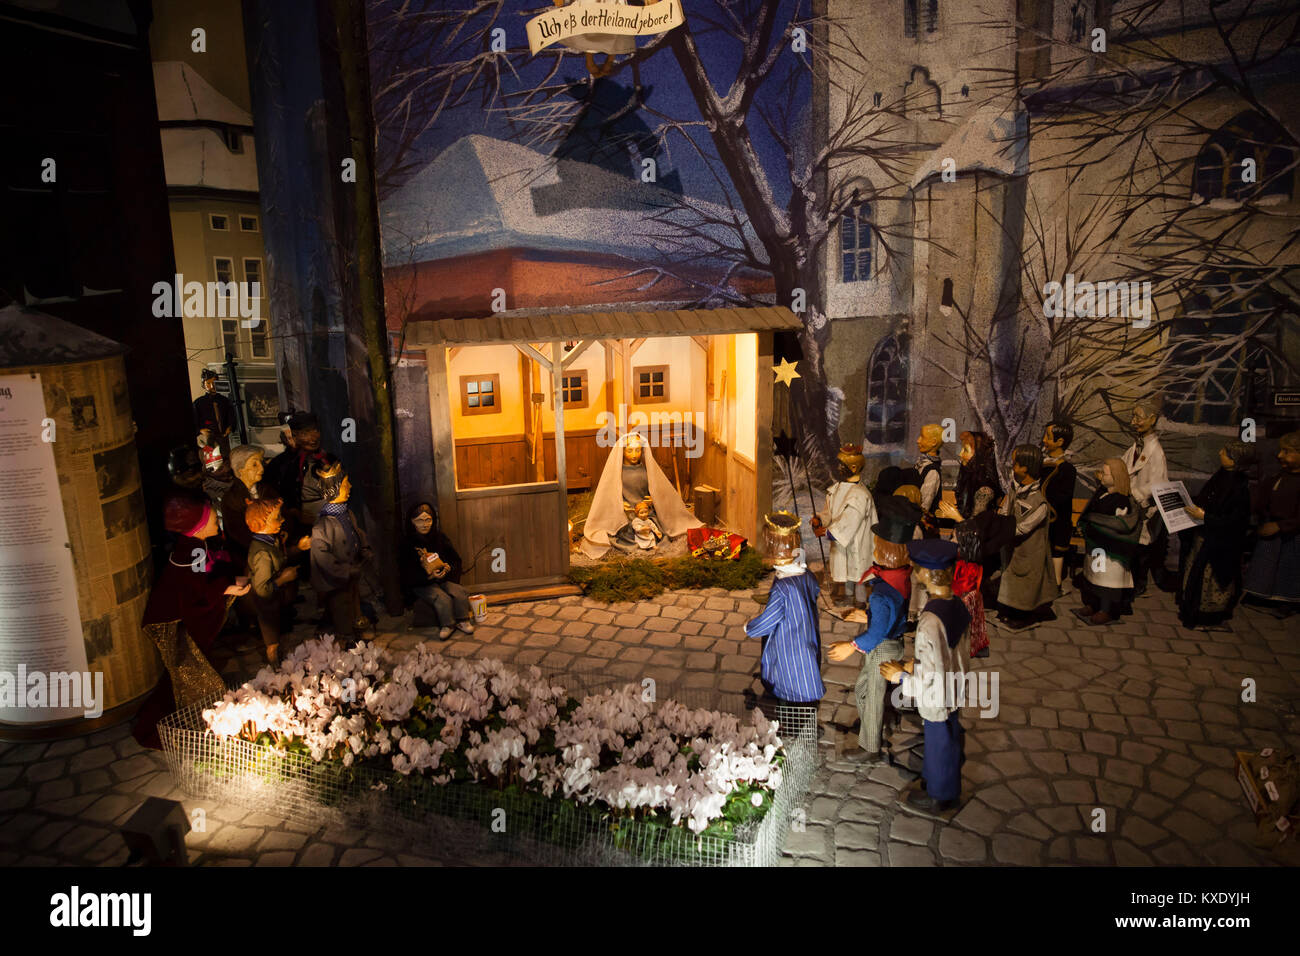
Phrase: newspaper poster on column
(42, 651)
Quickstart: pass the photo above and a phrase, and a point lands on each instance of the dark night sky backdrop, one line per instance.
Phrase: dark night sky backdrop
(720, 52)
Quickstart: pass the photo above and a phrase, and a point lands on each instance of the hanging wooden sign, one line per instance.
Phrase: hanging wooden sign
(602, 26)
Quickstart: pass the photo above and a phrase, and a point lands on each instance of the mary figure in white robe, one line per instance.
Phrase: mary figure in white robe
(629, 476)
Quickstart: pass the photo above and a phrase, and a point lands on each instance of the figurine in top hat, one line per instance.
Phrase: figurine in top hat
(936, 676)
(850, 512)
(791, 655)
(338, 550)
(889, 578)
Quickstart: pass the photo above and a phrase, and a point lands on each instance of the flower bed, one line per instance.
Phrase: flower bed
(473, 757)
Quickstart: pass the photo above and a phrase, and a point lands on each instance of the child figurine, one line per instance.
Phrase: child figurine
(1110, 522)
(890, 577)
(1145, 462)
(930, 466)
(338, 551)
(935, 675)
(850, 513)
(791, 656)
(1274, 571)
(273, 580)
(644, 528)
(1028, 581)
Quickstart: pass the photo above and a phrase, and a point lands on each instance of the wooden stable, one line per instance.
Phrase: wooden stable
(510, 491)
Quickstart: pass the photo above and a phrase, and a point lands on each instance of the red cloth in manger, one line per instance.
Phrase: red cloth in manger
(697, 538)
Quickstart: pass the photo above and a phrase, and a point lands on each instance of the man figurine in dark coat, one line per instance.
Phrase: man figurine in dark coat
(290, 470)
(936, 677)
(213, 411)
(1059, 479)
(339, 552)
(889, 578)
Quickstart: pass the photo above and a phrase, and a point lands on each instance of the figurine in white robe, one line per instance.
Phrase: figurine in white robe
(846, 520)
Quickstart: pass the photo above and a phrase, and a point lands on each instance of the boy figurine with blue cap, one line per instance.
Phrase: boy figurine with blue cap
(890, 580)
(936, 677)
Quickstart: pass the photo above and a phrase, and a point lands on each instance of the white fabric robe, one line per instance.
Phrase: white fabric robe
(1145, 468)
(937, 677)
(850, 513)
(607, 516)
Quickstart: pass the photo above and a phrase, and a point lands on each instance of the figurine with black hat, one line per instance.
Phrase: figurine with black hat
(935, 677)
(889, 579)
(213, 411)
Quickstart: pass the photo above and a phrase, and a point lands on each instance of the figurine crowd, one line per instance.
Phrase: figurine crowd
(247, 530)
(914, 561)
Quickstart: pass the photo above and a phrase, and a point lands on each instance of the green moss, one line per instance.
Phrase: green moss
(641, 578)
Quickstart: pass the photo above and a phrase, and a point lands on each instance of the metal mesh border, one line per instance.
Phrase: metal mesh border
(476, 823)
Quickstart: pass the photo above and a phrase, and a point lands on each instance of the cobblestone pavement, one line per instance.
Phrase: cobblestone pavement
(1139, 720)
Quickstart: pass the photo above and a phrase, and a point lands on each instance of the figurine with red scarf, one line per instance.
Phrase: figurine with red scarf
(890, 580)
(186, 611)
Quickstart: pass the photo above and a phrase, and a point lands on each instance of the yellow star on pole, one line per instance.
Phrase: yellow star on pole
(785, 372)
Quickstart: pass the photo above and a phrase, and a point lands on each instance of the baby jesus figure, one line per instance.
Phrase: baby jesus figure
(645, 529)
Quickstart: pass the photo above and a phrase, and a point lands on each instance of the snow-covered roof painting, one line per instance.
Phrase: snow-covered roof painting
(993, 139)
(197, 156)
(185, 96)
(483, 194)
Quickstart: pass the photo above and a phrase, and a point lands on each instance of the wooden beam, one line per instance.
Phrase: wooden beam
(561, 478)
(702, 341)
(534, 353)
(451, 352)
(636, 344)
(578, 350)
(444, 444)
(610, 376)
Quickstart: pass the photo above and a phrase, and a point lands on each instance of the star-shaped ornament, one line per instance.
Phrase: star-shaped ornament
(785, 372)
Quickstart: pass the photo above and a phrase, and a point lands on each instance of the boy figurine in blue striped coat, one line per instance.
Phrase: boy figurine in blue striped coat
(791, 662)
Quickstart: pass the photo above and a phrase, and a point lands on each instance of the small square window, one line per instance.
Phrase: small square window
(651, 384)
(573, 387)
(248, 224)
(219, 223)
(480, 394)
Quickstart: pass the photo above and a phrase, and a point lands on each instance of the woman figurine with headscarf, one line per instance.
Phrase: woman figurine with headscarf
(1210, 565)
(431, 571)
(186, 610)
(1111, 525)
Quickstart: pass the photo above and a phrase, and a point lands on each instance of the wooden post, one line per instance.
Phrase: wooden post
(444, 445)
(561, 477)
(610, 402)
(763, 424)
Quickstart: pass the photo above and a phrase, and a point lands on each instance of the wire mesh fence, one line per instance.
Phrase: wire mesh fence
(465, 821)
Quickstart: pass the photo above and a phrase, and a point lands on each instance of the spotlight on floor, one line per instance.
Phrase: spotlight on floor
(155, 834)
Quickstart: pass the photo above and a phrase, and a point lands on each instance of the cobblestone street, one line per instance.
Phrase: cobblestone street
(1139, 720)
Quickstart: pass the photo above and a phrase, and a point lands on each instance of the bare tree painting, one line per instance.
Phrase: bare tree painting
(1168, 157)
